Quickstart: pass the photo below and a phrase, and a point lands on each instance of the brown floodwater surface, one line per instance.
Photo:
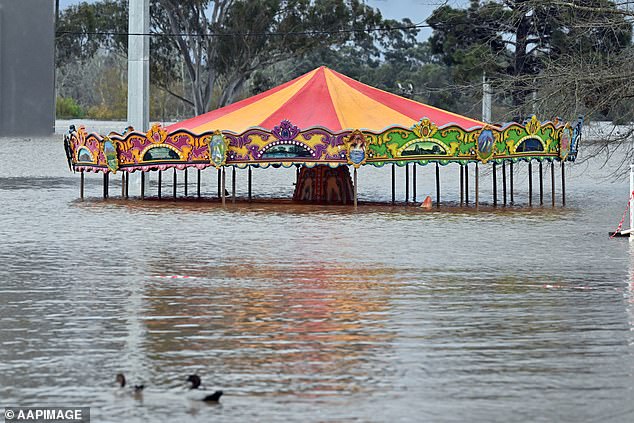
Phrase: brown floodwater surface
(310, 312)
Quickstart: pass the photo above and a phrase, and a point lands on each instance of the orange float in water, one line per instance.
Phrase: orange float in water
(427, 203)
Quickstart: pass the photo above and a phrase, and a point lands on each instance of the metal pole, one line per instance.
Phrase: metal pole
(477, 185)
(186, 169)
(530, 183)
(122, 184)
(466, 184)
(233, 184)
(486, 99)
(437, 185)
(631, 200)
(160, 183)
(355, 187)
(127, 184)
(504, 181)
(81, 185)
(224, 199)
(461, 185)
(393, 183)
(552, 181)
(511, 174)
(406, 183)
(563, 184)
(138, 64)
(541, 185)
(495, 184)
(174, 183)
(105, 185)
(142, 184)
(220, 193)
(249, 183)
(199, 176)
(414, 182)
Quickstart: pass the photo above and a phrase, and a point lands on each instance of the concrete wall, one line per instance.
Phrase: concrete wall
(27, 72)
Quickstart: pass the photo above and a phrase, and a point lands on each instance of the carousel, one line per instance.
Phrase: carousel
(325, 124)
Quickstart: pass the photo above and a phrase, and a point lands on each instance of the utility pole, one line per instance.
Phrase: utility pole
(486, 99)
(138, 64)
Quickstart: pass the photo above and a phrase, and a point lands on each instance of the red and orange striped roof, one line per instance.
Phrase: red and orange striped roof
(322, 97)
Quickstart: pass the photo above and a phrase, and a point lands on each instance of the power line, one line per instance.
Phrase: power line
(246, 34)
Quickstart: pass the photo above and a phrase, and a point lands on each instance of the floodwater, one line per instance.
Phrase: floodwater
(312, 313)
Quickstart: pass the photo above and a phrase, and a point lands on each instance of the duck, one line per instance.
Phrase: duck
(198, 393)
(122, 382)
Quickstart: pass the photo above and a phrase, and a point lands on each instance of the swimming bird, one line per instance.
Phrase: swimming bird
(199, 393)
(121, 382)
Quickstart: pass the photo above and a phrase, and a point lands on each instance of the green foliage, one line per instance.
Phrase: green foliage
(67, 108)
(514, 41)
(83, 29)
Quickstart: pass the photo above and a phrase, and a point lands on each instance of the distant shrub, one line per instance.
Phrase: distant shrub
(67, 108)
(106, 112)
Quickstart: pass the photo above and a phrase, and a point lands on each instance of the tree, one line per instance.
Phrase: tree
(515, 41)
(249, 35)
(215, 46)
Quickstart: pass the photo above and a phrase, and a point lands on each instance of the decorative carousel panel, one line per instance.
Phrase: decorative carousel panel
(110, 152)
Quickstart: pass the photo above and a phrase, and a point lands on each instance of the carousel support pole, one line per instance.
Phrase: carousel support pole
(530, 183)
(185, 181)
(198, 183)
(174, 183)
(511, 174)
(477, 186)
(552, 181)
(105, 184)
(296, 175)
(220, 193)
(406, 183)
(122, 184)
(563, 184)
(224, 197)
(437, 185)
(495, 184)
(541, 185)
(466, 184)
(461, 185)
(233, 184)
(631, 199)
(393, 183)
(142, 184)
(414, 182)
(504, 181)
(127, 184)
(250, 179)
(355, 187)
(160, 183)
(81, 184)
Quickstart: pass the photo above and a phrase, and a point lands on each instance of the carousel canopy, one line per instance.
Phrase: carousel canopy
(324, 98)
(322, 118)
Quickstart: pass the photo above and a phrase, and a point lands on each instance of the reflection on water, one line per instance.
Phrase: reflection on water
(311, 313)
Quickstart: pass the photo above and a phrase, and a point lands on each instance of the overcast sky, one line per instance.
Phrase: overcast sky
(416, 10)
